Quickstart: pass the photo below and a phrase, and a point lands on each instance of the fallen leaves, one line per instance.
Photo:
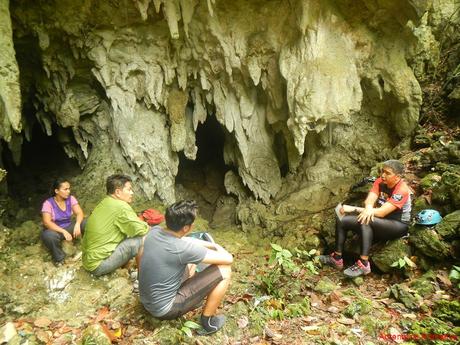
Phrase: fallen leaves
(42, 322)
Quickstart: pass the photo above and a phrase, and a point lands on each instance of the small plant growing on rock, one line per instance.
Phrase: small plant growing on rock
(455, 275)
(404, 264)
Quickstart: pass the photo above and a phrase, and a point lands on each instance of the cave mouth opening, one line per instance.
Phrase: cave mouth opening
(43, 159)
(202, 179)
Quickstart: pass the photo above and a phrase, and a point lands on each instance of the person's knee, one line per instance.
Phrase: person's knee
(50, 236)
(225, 271)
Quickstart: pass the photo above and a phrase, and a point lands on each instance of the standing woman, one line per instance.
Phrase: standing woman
(57, 212)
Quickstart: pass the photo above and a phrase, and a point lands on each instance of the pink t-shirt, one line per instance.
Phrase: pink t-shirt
(48, 207)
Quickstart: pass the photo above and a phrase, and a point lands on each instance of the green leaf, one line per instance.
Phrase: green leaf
(312, 251)
(286, 253)
(410, 262)
(276, 247)
(311, 267)
(454, 275)
(192, 325)
(402, 263)
(456, 268)
(394, 264)
(187, 331)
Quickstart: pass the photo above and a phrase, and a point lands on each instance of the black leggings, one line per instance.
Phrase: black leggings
(379, 229)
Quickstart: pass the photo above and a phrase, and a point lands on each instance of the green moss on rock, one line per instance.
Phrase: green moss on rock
(385, 255)
(424, 284)
(325, 286)
(410, 299)
(428, 242)
(361, 306)
(450, 226)
(448, 311)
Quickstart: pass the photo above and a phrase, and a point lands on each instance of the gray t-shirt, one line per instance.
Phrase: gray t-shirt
(163, 265)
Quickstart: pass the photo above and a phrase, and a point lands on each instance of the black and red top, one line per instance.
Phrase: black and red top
(399, 195)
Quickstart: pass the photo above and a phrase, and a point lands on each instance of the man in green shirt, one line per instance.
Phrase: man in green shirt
(114, 234)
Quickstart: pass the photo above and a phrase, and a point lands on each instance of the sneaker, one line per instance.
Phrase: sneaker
(358, 269)
(211, 324)
(330, 261)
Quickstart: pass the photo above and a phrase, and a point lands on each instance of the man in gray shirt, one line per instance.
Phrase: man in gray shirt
(168, 284)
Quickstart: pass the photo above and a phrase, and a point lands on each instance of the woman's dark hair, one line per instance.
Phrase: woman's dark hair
(395, 165)
(180, 214)
(56, 185)
(116, 181)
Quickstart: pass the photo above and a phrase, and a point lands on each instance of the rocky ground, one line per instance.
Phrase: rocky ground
(281, 302)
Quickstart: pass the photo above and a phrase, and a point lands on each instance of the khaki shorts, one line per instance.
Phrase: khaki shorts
(193, 291)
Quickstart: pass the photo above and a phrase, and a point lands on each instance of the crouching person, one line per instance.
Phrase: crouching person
(114, 233)
(168, 284)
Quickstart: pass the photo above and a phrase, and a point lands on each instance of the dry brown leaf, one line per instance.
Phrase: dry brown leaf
(346, 321)
(43, 336)
(444, 278)
(101, 314)
(42, 322)
(108, 332)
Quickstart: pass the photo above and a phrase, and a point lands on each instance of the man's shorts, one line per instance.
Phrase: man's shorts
(125, 251)
(193, 291)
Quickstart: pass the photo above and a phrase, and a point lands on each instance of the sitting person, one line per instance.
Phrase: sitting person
(388, 220)
(168, 284)
(57, 213)
(114, 233)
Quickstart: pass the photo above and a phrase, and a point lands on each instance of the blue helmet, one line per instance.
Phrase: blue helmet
(428, 217)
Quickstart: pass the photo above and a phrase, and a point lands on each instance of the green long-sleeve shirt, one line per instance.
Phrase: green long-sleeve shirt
(110, 223)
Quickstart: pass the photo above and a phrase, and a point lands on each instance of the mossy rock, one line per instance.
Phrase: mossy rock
(434, 326)
(405, 295)
(392, 251)
(423, 285)
(428, 242)
(448, 311)
(447, 192)
(420, 203)
(27, 233)
(422, 140)
(450, 226)
(361, 306)
(430, 181)
(325, 286)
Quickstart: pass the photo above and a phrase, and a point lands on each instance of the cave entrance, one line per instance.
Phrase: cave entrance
(42, 160)
(202, 179)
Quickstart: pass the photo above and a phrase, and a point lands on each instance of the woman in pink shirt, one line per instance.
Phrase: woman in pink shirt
(57, 212)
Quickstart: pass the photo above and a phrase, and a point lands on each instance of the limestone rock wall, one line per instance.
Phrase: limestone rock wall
(322, 88)
(10, 94)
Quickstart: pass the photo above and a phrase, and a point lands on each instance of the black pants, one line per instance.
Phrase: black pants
(380, 229)
(52, 240)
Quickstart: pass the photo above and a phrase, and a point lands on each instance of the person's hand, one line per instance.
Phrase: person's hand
(76, 231)
(366, 216)
(67, 235)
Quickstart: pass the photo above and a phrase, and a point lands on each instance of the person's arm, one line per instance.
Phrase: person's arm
(76, 209)
(219, 256)
(129, 223)
(50, 225)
